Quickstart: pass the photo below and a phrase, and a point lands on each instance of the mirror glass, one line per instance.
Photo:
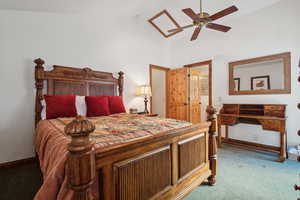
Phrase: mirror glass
(266, 75)
(263, 75)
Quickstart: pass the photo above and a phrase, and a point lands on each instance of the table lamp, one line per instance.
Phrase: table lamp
(145, 91)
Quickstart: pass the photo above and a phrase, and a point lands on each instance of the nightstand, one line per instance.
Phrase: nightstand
(151, 115)
(148, 115)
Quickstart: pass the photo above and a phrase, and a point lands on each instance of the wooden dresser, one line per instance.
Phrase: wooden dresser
(269, 116)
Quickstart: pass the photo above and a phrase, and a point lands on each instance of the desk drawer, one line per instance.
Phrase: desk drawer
(274, 113)
(273, 125)
(230, 109)
(226, 120)
(274, 107)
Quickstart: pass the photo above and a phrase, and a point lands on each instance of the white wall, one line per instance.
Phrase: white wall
(269, 31)
(100, 39)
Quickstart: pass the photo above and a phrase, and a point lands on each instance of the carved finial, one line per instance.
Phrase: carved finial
(39, 62)
(39, 84)
(79, 127)
(211, 111)
(121, 74)
(121, 83)
(81, 159)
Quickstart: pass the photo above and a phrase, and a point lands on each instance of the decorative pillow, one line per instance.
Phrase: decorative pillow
(79, 103)
(60, 106)
(97, 106)
(116, 104)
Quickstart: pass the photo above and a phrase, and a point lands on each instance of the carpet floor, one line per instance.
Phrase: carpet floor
(250, 175)
(242, 175)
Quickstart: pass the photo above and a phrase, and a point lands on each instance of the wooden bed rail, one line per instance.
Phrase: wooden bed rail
(81, 161)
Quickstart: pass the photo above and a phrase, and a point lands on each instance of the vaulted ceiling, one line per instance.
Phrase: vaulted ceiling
(116, 10)
(134, 7)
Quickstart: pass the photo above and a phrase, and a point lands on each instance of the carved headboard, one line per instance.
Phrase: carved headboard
(69, 80)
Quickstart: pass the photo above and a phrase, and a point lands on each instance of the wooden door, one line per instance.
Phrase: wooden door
(178, 94)
(194, 96)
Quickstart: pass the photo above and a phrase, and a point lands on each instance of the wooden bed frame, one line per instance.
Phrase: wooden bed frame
(167, 166)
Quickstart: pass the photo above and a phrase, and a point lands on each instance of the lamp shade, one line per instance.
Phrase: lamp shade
(144, 90)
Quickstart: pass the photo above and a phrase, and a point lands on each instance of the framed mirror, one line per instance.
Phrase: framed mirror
(263, 75)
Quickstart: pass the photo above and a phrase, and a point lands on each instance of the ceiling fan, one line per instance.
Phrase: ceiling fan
(203, 19)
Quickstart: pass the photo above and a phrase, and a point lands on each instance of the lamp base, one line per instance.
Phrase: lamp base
(146, 105)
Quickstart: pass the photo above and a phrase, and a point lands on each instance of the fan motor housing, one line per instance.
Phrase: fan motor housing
(203, 15)
(203, 19)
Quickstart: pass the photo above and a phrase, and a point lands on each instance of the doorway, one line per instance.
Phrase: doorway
(158, 83)
(162, 86)
(205, 70)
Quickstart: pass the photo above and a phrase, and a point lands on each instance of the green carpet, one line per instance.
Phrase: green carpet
(250, 175)
(243, 175)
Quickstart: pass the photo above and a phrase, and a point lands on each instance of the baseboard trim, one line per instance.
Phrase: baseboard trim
(17, 163)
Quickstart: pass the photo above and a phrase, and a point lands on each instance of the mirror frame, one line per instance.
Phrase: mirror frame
(287, 74)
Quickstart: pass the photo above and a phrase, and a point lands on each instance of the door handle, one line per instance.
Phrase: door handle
(185, 104)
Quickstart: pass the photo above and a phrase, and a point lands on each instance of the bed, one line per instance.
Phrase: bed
(133, 157)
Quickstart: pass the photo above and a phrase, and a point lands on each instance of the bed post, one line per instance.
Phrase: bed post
(212, 150)
(39, 85)
(121, 83)
(81, 160)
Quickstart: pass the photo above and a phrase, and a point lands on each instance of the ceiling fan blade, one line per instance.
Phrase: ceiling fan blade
(189, 12)
(196, 33)
(184, 27)
(218, 27)
(223, 13)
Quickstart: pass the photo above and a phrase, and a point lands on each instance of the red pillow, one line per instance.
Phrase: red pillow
(97, 106)
(60, 106)
(116, 104)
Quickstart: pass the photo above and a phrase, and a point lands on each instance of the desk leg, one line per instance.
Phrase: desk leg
(226, 132)
(282, 146)
(219, 135)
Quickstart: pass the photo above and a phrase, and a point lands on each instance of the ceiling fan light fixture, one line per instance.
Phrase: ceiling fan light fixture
(203, 19)
(203, 15)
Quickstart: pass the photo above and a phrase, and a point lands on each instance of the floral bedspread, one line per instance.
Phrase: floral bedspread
(51, 145)
(122, 128)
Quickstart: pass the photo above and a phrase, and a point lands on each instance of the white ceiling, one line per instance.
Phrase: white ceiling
(135, 7)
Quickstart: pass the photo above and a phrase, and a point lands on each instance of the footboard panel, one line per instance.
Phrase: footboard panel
(172, 168)
(145, 176)
(165, 167)
(192, 154)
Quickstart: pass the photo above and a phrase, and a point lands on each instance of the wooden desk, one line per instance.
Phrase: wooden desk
(269, 116)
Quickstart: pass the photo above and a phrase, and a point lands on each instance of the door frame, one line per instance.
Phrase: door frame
(160, 68)
(205, 63)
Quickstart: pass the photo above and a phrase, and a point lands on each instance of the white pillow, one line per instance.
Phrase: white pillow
(79, 103)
